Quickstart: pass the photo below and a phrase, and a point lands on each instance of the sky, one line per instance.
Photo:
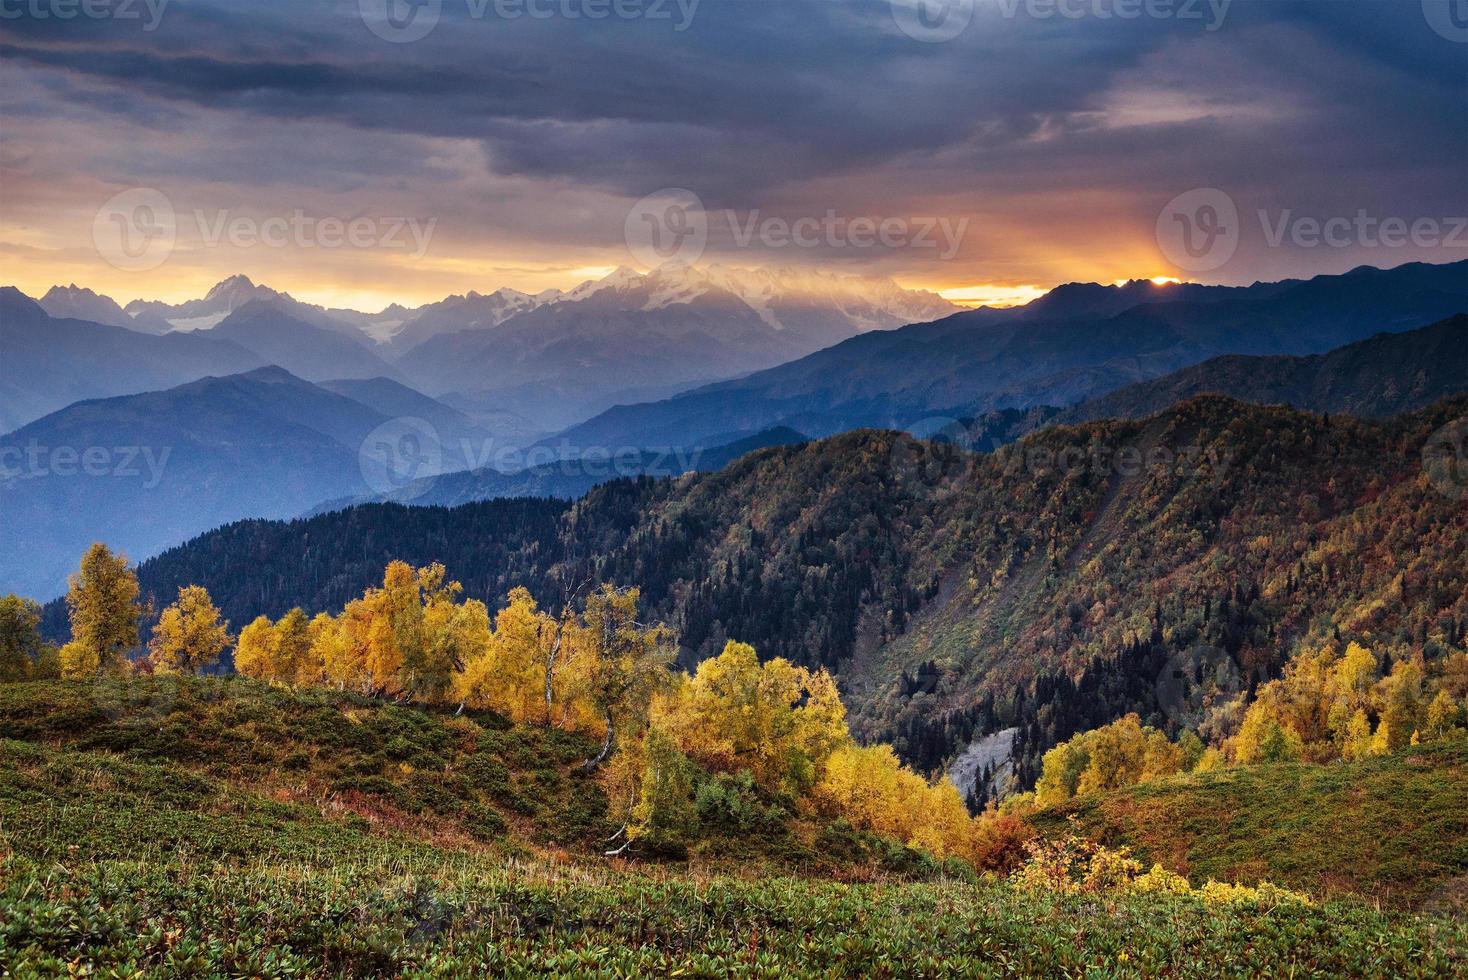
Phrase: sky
(361, 152)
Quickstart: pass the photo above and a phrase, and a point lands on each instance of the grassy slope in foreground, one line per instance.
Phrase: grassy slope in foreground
(1393, 828)
(470, 780)
(120, 857)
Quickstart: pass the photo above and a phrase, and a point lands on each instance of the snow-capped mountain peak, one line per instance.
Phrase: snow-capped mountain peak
(229, 295)
(867, 302)
(622, 278)
(75, 302)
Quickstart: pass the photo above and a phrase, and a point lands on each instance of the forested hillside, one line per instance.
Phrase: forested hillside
(269, 567)
(1076, 588)
(1044, 586)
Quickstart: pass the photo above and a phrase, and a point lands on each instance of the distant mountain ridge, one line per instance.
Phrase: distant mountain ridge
(689, 356)
(552, 358)
(270, 329)
(983, 361)
(50, 363)
(629, 337)
(230, 295)
(572, 477)
(1379, 377)
(471, 311)
(170, 464)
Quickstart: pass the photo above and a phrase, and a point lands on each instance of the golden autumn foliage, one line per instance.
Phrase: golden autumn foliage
(871, 789)
(786, 726)
(253, 656)
(1331, 704)
(103, 604)
(604, 673)
(626, 663)
(596, 672)
(779, 721)
(1074, 865)
(189, 636)
(23, 654)
(508, 674)
(1120, 754)
(735, 730)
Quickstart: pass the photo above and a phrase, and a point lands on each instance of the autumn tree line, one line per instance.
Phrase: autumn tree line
(594, 668)
(1330, 704)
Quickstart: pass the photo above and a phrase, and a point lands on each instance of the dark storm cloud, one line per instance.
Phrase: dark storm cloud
(800, 105)
(805, 87)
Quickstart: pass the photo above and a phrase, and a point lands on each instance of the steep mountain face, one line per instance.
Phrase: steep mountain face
(49, 363)
(76, 303)
(1385, 375)
(1069, 567)
(982, 361)
(306, 350)
(1098, 553)
(629, 337)
(147, 471)
(379, 327)
(473, 311)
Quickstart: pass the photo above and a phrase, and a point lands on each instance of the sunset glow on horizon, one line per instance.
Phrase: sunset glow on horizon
(509, 174)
